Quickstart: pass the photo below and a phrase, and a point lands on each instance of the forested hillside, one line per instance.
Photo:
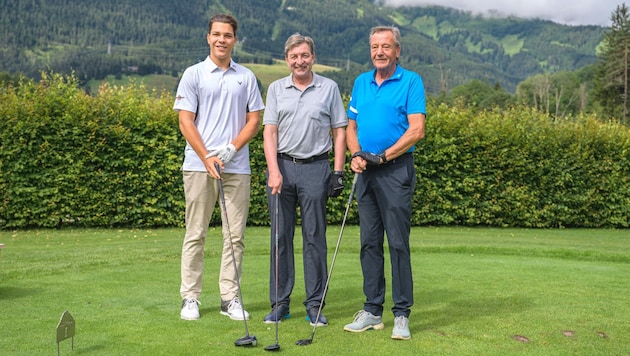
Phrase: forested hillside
(447, 47)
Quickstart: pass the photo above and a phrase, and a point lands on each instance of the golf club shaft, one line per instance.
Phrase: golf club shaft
(276, 346)
(227, 226)
(332, 262)
(277, 238)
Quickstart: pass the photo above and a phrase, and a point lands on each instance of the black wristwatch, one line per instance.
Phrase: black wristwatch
(382, 156)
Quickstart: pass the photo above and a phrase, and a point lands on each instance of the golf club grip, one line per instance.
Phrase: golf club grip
(221, 194)
(354, 184)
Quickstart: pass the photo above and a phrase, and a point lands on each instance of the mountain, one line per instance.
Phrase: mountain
(447, 47)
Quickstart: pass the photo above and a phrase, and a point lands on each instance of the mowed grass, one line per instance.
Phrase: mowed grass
(478, 291)
(157, 82)
(266, 73)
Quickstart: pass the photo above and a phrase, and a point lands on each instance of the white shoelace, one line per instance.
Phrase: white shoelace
(234, 304)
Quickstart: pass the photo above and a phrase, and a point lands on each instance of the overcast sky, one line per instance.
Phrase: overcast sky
(570, 12)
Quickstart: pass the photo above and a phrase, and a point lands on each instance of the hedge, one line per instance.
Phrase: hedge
(519, 167)
(113, 160)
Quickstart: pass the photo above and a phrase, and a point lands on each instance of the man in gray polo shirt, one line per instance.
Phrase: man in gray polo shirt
(301, 110)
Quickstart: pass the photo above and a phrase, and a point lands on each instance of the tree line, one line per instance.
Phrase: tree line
(601, 88)
(481, 62)
(448, 47)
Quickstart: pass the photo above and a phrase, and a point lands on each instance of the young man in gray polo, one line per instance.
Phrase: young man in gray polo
(218, 104)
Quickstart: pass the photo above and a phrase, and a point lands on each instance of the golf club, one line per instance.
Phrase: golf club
(276, 346)
(332, 264)
(247, 340)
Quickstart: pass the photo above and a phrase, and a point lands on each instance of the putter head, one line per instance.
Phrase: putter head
(247, 340)
(304, 342)
(274, 347)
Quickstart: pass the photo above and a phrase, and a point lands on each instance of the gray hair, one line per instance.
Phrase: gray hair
(392, 29)
(295, 40)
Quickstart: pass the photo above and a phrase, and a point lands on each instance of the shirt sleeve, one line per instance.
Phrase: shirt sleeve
(186, 98)
(255, 101)
(417, 98)
(271, 110)
(352, 105)
(338, 118)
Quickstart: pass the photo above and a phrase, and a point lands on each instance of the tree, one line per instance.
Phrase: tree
(611, 82)
(559, 94)
(480, 95)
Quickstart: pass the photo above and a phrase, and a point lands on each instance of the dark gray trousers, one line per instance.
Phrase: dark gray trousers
(307, 185)
(384, 196)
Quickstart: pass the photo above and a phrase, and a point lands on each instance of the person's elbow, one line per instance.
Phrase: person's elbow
(419, 134)
(417, 126)
(253, 119)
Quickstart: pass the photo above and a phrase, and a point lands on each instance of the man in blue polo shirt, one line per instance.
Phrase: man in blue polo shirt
(386, 119)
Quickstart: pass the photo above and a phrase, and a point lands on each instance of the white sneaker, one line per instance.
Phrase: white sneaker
(190, 309)
(234, 310)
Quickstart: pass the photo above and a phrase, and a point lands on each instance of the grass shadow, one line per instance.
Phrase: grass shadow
(18, 292)
(461, 310)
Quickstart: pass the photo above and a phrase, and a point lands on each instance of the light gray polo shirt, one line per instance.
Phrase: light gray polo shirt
(221, 99)
(304, 118)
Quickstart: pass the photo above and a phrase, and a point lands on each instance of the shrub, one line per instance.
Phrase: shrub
(71, 159)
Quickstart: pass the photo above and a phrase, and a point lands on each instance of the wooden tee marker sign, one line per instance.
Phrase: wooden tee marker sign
(65, 329)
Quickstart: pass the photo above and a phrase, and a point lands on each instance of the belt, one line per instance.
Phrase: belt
(321, 157)
(399, 158)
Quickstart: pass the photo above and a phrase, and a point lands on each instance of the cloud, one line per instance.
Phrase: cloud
(576, 12)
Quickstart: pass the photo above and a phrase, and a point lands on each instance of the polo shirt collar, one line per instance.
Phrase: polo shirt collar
(212, 66)
(288, 81)
(396, 76)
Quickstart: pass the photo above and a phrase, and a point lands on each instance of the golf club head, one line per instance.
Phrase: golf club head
(274, 347)
(304, 342)
(248, 340)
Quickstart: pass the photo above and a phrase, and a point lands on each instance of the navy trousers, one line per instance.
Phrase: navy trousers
(384, 195)
(304, 185)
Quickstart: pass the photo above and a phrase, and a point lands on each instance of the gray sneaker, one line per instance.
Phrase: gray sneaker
(401, 328)
(363, 321)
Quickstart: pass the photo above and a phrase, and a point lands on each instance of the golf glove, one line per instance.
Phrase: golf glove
(335, 186)
(226, 153)
(371, 158)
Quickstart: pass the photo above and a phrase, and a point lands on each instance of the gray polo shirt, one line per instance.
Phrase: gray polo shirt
(304, 118)
(221, 99)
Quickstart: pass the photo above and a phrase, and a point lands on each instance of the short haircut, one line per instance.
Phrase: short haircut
(295, 40)
(224, 18)
(392, 29)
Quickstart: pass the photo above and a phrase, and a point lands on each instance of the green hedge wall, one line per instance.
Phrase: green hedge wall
(72, 159)
(113, 160)
(518, 167)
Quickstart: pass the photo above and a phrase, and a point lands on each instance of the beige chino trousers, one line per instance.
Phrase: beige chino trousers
(202, 194)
